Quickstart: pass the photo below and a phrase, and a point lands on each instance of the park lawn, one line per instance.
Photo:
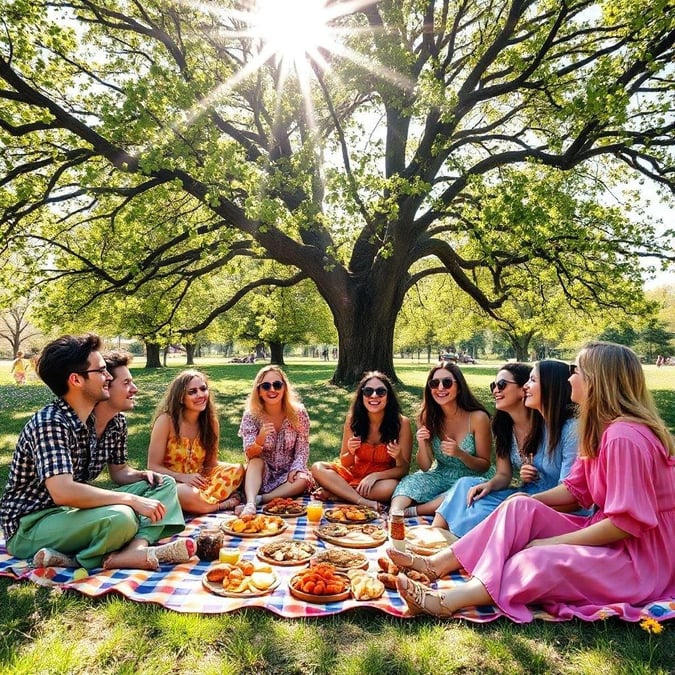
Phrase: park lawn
(49, 631)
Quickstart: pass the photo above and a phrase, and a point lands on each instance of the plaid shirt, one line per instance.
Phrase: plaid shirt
(56, 442)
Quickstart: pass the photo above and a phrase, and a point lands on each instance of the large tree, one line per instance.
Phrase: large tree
(353, 155)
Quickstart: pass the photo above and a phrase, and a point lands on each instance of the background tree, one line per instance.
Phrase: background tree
(15, 326)
(349, 172)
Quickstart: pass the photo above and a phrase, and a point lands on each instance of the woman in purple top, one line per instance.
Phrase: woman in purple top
(527, 553)
(275, 431)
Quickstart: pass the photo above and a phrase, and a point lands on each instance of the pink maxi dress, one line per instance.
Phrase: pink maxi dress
(632, 482)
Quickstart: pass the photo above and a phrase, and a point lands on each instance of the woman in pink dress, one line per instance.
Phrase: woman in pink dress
(527, 553)
(376, 447)
(275, 432)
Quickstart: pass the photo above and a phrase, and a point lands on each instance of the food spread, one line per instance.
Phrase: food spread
(286, 552)
(350, 514)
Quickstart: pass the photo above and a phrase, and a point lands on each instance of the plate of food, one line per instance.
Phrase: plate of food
(254, 526)
(352, 536)
(426, 540)
(243, 580)
(286, 552)
(365, 586)
(284, 508)
(350, 514)
(320, 584)
(342, 559)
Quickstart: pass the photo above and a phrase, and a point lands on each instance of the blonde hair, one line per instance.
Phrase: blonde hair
(616, 389)
(290, 401)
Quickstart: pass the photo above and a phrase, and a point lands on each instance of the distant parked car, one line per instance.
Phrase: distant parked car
(466, 358)
(449, 356)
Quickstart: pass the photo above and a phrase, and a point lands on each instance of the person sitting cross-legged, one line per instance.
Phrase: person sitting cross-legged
(49, 510)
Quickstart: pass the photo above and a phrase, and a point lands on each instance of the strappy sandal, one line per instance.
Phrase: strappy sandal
(418, 598)
(412, 561)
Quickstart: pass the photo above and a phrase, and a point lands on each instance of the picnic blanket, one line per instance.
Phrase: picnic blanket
(179, 587)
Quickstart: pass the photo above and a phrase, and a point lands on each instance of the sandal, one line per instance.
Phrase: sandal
(412, 561)
(245, 510)
(420, 599)
(230, 503)
(48, 557)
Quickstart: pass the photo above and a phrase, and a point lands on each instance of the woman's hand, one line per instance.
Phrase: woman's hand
(549, 541)
(529, 473)
(423, 435)
(478, 491)
(297, 473)
(394, 451)
(450, 447)
(195, 480)
(366, 485)
(353, 444)
(266, 429)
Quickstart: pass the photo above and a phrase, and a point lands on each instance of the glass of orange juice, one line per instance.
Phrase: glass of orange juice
(229, 555)
(314, 511)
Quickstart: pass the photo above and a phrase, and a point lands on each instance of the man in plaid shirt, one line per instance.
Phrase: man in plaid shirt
(49, 510)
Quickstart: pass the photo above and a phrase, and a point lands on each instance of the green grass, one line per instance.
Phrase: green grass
(49, 631)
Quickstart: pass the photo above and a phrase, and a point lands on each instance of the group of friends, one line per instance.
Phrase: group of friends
(578, 508)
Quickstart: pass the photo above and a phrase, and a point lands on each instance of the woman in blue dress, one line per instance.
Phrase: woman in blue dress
(453, 439)
(536, 439)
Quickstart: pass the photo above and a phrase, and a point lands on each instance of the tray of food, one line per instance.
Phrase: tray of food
(284, 508)
(342, 559)
(426, 540)
(243, 580)
(352, 536)
(320, 584)
(286, 552)
(254, 526)
(350, 514)
(365, 586)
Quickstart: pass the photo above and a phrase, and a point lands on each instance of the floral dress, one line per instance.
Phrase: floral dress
(284, 451)
(186, 455)
(423, 486)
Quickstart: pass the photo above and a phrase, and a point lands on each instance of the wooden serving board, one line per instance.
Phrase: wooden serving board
(353, 537)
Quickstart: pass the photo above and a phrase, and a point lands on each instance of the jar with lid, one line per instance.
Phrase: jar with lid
(397, 530)
(209, 543)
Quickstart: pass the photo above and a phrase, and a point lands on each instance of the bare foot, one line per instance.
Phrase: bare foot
(324, 495)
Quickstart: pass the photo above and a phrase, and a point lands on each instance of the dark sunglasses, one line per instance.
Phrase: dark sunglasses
(573, 368)
(447, 382)
(500, 385)
(374, 391)
(194, 390)
(266, 386)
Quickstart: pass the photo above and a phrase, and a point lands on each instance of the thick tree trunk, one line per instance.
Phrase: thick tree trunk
(152, 355)
(277, 351)
(190, 354)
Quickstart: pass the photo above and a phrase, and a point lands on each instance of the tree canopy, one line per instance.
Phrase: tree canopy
(148, 144)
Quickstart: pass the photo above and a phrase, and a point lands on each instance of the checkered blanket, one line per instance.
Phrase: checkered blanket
(179, 587)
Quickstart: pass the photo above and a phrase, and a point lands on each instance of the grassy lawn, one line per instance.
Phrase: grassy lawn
(48, 631)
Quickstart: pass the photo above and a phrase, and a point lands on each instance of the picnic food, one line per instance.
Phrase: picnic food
(284, 506)
(390, 571)
(352, 536)
(286, 552)
(340, 558)
(425, 539)
(251, 526)
(365, 587)
(242, 578)
(350, 514)
(321, 580)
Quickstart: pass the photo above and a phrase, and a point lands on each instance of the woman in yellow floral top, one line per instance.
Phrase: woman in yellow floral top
(184, 444)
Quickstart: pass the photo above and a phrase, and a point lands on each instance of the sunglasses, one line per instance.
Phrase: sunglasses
(266, 386)
(500, 385)
(573, 368)
(194, 390)
(374, 391)
(447, 382)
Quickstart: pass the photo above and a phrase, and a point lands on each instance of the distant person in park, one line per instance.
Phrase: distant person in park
(527, 553)
(18, 369)
(184, 444)
(376, 447)
(536, 443)
(49, 510)
(453, 438)
(275, 434)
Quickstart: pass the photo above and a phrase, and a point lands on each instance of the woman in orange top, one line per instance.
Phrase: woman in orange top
(184, 444)
(376, 447)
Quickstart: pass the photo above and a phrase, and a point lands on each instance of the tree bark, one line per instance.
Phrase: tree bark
(152, 355)
(277, 351)
(190, 354)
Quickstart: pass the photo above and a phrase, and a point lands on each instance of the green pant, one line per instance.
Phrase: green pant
(90, 534)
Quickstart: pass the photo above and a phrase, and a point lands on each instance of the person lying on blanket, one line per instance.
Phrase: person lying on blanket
(49, 511)
(527, 553)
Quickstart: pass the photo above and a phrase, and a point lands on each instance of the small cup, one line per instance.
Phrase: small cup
(229, 555)
(314, 511)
